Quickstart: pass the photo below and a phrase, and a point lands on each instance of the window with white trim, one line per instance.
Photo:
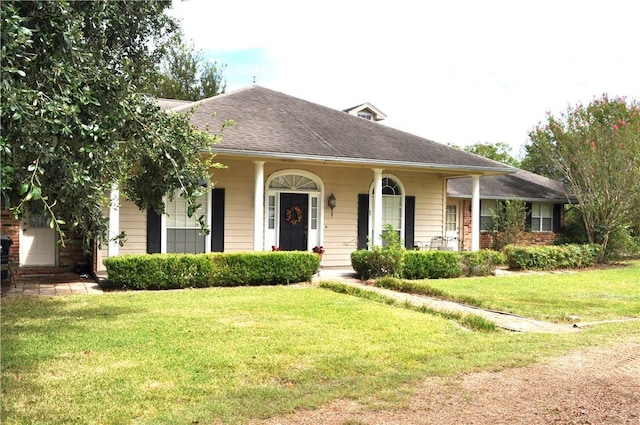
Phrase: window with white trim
(366, 116)
(184, 234)
(487, 208)
(541, 217)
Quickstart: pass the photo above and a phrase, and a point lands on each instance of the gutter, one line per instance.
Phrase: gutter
(362, 161)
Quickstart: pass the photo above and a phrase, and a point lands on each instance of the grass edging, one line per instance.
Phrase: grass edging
(470, 321)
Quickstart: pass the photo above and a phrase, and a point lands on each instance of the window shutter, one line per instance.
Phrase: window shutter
(557, 212)
(409, 221)
(363, 220)
(528, 208)
(154, 231)
(217, 220)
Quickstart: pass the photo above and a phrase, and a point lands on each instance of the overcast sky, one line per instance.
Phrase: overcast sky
(456, 72)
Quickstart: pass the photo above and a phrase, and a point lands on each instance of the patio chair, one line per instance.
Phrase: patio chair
(437, 242)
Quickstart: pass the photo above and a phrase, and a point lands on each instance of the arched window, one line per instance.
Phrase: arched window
(293, 182)
(391, 203)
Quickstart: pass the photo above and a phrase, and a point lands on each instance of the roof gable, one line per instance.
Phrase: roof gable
(376, 113)
(276, 125)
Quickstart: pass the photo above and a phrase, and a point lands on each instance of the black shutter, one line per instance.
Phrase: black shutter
(217, 220)
(557, 212)
(363, 220)
(154, 231)
(529, 209)
(409, 221)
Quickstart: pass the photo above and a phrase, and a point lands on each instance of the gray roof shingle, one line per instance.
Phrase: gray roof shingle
(273, 124)
(523, 185)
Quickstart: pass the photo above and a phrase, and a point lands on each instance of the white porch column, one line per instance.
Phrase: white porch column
(114, 221)
(475, 213)
(258, 207)
(377, 206)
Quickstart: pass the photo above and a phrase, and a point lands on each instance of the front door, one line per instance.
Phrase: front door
(294, 219)
(451, 224)
(38, 241)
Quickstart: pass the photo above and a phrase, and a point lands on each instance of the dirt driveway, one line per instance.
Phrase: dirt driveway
(598, 385)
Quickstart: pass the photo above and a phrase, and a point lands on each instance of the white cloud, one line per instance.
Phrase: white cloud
(455, 72)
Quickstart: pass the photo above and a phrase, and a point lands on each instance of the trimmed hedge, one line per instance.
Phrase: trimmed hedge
(551, 257)
(415, 264)
(481, 263)
(172, 271)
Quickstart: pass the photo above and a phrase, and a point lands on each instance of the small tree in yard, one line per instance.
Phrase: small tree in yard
(508, 223)
(595, 149)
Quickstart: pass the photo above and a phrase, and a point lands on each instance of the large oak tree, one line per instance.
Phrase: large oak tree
(74, 114)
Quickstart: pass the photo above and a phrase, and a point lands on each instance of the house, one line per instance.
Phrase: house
(544, 200)
(297, 175)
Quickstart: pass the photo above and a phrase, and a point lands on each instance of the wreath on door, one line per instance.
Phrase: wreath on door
(293, 215)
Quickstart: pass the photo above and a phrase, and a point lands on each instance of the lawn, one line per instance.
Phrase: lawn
(227, 355)
(585, 296)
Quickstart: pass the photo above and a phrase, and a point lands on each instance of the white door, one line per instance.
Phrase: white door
(37, 241)
(451, 229)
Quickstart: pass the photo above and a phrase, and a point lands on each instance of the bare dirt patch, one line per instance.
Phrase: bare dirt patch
(598, 385)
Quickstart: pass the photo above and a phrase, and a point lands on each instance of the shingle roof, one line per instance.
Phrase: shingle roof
(520, 185)
(171, 103)
(271, 124)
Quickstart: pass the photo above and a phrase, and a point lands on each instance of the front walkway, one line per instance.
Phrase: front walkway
(29, 285)
(503, 320)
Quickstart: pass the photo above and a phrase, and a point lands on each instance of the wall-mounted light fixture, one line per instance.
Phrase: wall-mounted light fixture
(332, 203)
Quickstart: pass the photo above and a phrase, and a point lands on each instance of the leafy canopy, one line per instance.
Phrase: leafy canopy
(499, 151)
(595, 149)
(75, 119)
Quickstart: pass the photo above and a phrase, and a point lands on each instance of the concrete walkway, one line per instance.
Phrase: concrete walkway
(30, 285)
(503, 320)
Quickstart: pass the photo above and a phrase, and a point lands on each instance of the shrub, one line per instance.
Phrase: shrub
(170, 271)
(380, 261)
(431, 264)
(481, 263)
(551, 257)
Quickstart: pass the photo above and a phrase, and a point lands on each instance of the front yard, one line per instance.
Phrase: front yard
(231, 354)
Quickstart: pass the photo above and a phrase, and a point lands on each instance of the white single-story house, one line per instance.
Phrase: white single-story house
(300, 175)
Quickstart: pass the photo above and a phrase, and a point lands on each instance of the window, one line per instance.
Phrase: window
(541, 217)
(314, 212)
(365, 115)
(272, 212)
(487, 207)
(184, 234)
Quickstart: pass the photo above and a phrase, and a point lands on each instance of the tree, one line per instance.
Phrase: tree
(185, 74)
(74, 117)
(595, 149)
(508, 222)
(499, 151)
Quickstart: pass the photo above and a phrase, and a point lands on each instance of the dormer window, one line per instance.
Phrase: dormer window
(366, 111)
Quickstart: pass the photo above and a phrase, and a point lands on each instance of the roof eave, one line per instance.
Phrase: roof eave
(365, 161)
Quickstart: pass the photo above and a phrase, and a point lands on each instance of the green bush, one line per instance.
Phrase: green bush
(171, 271)
(551, 257)
(481, 263)
(431, 264)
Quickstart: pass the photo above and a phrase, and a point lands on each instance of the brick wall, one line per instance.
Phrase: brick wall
(486, 240)
(11, 227)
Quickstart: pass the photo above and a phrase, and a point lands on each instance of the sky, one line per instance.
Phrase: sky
(453, 71)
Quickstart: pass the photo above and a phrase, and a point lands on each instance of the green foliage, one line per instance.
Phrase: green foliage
(185, 74)
(75, 120)
(431, 265)
(481, 263)
(170, 271)
(508, 222)
(551, 257)
(595, 149)
(385, 260)
(500, 152)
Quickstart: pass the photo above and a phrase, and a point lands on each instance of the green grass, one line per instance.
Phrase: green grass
(227, 355)
(585, 296)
